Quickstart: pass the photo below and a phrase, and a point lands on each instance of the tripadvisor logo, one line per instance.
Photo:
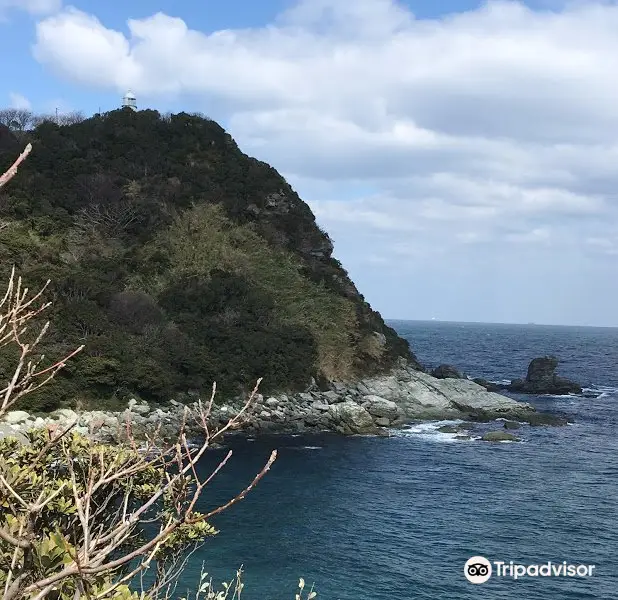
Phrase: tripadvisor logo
(478, 569)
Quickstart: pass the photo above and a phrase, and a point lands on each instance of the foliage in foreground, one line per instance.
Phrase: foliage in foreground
(81, 520)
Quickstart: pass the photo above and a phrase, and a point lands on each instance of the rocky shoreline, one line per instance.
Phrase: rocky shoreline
(370, 406)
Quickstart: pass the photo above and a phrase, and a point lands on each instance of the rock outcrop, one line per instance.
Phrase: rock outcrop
(447, 372)
(421, 396)
(542, 379)
(367, 407)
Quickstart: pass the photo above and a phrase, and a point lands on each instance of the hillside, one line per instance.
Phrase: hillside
(178, 260)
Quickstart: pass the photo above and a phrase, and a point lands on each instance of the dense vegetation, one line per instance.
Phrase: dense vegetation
(177, 260)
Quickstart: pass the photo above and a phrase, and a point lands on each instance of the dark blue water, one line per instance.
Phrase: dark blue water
(396, 518)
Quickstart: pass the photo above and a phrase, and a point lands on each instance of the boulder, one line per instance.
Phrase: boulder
(499, 436)
(65, 414)
(511, 425)
(351, 417)
(538, 419)
(141, 409)
(447, 372)
(448, 429)
(381, 407)
(542, 379)
(15, 417)
(332, 397)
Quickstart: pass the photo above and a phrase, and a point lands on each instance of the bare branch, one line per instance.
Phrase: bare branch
(12, 171)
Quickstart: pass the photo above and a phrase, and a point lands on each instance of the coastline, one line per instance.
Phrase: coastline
(369, 406)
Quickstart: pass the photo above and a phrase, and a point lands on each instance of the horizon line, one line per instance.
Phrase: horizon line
(528, 324)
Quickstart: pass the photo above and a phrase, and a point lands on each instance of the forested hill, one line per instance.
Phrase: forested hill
(177, 260)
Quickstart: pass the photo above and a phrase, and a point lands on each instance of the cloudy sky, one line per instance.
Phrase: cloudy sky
(463, 155)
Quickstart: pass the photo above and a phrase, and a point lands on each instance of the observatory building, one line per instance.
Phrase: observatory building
(129, 101)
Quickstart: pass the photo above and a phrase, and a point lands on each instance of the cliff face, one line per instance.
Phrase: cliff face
(179, 260)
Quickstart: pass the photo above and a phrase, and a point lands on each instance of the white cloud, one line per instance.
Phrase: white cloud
(19, 101)
(34, 7)
(488, 136)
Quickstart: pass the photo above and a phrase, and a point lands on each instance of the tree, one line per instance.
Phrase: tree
(109, 210)
(17, 118)
(80, 519)
(71, 118)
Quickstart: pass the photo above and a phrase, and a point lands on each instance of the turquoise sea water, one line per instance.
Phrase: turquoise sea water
(370, 518)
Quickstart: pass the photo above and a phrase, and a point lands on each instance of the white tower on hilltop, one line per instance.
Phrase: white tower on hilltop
(129, 101)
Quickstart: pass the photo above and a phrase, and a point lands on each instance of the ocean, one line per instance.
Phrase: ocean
(371, 518)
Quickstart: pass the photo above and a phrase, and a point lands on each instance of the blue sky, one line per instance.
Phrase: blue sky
(46, 92)
(461, 154)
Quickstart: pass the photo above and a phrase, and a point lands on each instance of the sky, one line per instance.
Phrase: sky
(462, 155)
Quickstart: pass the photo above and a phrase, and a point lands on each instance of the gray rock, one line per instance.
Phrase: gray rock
(139, 409)
(339, 388)
(332, 397)
(448, 429)
(362, 389)
(272, 401)
(65, 414)
(381, 407)
(422, 396)
(353, 417)
(39, 423)
(511, 425)
(446, 372)
(14, 417)
(382, 422)
(313, 419)
(537, 419)
(500, 436)
(319, 406)
(542, 379)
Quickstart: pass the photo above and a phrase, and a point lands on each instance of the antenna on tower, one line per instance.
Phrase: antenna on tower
(129, 101)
